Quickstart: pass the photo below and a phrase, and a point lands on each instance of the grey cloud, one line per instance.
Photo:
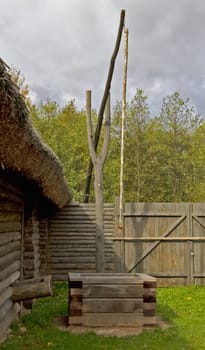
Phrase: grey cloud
(64, 47)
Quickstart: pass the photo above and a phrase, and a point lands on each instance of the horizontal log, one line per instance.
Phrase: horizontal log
(8, 270)
(30, 264)
(112, 305)
(9, 216)
(9, 237)
(8, 319)
(5, 309)
(10, 227)
(9, 247)
(72, 266)
(5, 295)
(6, 194)
(7, 259)
(6, 185)
(7, 206)
(9, 281)
(33, 288)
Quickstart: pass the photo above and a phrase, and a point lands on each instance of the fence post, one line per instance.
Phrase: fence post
(119, 245)
(190, 250)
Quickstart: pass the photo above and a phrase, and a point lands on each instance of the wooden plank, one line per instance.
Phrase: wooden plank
(149, 306)
(112, 279)
(148, 251)
(150, 321)
(112, 305)
(159, 238)
(75, 320)
(112, 291)
(113, 319)
(75, 291)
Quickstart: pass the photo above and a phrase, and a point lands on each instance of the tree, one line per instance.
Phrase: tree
(64, 130)
(20, 81)
(179, 121)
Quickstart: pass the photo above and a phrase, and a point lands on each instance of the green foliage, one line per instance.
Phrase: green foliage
(164, 156)
(181, 307)
(64, 130)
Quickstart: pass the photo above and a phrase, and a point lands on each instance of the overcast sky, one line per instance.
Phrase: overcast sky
(63, 47)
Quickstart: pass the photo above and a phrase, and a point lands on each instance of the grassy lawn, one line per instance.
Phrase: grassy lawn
(183, 308)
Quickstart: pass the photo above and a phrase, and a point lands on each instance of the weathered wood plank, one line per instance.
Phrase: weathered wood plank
(112, 291)
(112, 305)
(109, 319)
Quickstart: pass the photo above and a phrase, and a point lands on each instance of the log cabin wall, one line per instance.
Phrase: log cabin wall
(11, 214)
(43, 231)
(31, 246)
(71, 243)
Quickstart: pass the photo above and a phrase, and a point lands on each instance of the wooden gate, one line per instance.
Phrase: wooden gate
(166, 240)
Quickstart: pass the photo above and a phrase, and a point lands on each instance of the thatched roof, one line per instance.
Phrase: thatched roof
(22, 149)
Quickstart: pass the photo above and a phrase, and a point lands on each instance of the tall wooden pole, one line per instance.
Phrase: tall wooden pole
(103, 103)
(124, 92)
(98, 162)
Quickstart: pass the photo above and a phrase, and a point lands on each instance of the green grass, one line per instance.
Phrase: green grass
(183, 308)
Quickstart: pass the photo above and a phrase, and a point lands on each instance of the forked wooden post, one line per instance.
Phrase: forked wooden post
(98, 163)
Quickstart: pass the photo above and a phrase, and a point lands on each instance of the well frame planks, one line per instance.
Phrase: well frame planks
(111, 300)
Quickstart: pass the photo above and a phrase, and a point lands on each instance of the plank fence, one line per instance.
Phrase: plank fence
(165, 240)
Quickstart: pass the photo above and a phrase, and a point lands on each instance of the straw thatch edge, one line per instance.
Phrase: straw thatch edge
(22, 149)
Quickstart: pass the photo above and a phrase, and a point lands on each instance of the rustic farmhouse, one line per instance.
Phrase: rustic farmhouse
(32, 185)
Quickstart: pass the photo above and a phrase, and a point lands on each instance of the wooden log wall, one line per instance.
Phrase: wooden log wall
(71, 245)
(110, 300)
(31, 246)
(11, 209)
(43, 232)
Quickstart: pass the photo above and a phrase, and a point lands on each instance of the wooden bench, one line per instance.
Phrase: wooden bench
(111, 299)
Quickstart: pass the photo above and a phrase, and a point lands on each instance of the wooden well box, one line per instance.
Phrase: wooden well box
(111, 299)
